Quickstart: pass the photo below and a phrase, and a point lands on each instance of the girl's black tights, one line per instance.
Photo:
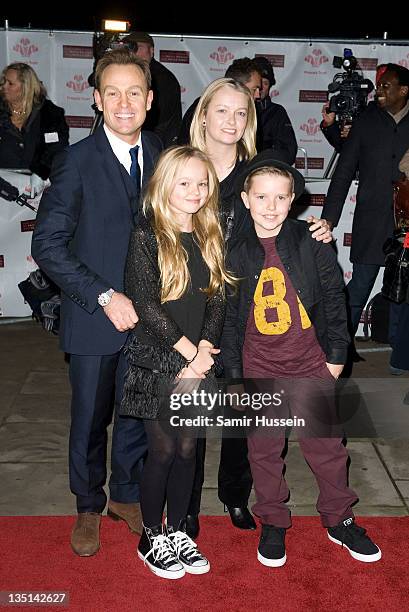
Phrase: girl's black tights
(167, 474)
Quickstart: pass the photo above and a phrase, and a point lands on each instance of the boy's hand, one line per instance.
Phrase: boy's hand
(335, 369)
(320, 229)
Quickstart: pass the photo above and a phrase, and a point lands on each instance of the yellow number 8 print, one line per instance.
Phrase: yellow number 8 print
(275, 301)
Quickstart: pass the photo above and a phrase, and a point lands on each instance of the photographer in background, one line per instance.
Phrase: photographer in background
(165, 116)
(276, 129)
(375, 145)
(32, 128)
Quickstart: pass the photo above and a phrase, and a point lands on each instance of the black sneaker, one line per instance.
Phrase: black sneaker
(187, 552)
(157, 552)
(354, 538)
(271, 548)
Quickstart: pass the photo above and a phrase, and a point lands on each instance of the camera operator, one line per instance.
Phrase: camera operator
(165, 116)
(375, 145)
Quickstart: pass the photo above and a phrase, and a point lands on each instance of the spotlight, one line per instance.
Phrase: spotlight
(112, 25)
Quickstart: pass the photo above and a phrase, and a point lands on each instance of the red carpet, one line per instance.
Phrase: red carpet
(319, 575)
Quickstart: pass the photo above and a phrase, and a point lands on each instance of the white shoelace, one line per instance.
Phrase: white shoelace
(183, 544)
(162, 549)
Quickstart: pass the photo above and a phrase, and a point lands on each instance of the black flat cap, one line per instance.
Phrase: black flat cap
(266, 159)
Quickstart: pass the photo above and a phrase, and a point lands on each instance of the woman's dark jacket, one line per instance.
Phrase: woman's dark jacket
(314, 272)
(151, 355)
(44, 134)
(234, 216)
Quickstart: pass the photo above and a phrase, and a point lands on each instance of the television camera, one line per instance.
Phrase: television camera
(353, 89)
(107, 40)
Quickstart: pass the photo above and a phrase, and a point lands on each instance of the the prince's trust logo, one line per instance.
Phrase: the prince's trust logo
(222, 56)
(310, 127)
(25, 47)
(78, 83)
(316, 58)
(317, 61)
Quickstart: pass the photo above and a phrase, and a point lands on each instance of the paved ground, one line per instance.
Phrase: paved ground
(34, 425)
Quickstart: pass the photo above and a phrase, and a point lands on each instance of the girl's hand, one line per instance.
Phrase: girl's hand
(203, 361)
(187, 381)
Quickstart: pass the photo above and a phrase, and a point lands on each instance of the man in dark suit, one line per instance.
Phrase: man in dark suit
(81, 241)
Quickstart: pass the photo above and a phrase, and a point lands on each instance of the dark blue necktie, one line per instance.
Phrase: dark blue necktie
(135, 171)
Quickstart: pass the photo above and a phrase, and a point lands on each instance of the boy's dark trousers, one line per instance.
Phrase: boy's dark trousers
(313, 400)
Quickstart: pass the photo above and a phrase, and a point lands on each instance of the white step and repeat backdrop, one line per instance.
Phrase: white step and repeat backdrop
(303, 69)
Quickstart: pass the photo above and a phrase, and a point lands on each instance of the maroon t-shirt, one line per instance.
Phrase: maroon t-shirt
(280, 339)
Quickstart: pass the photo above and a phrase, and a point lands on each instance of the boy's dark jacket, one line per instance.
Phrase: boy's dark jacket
(314, 272)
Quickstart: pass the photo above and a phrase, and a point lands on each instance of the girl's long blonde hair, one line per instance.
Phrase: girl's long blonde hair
(172, 256)
(246, 147)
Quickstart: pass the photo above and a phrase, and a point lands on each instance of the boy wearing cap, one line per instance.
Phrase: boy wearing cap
(288, 322)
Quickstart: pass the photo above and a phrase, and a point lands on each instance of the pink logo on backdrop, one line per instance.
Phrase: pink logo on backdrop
(274, 93)
(352, 198)
(311, 127)
(183, 89)
(316, 58)
(222, 55)
(404, 62)
(25, 48)
(78, 84)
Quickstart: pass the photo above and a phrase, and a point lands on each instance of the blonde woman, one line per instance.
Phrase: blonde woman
(224, 126)
(175, 277)
(32, 128)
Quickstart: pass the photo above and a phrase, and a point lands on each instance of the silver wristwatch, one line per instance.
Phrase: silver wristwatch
(105, 298)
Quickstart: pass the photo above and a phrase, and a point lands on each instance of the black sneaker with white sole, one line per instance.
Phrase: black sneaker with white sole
(157, 552)
(187, 552)
(271, 548)
(352, 537)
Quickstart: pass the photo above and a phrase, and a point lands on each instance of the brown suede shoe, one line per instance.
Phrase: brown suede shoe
(130, 513)
(85, 535)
